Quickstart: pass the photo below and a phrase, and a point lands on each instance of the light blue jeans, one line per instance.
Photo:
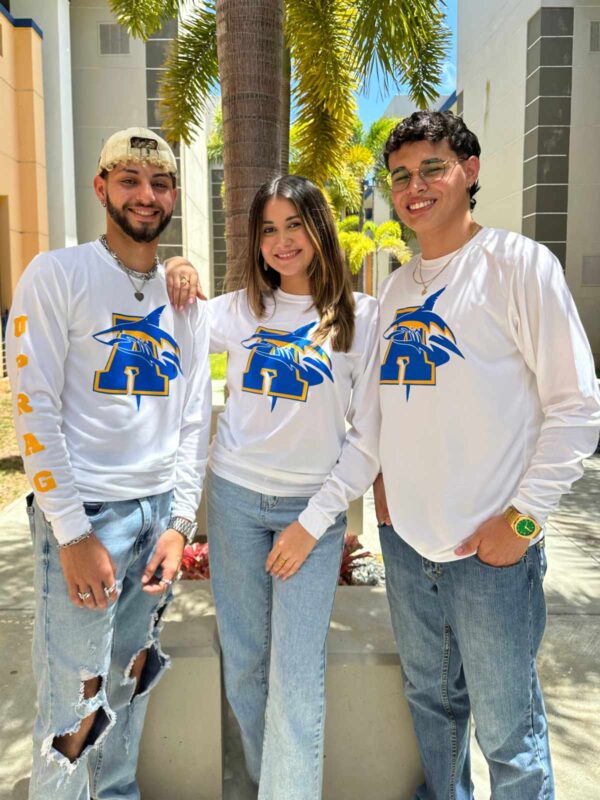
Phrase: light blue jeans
(273, 636)
(72, 645)
(468, 634)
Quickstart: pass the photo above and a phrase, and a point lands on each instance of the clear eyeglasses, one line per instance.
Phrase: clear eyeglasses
(430, 171)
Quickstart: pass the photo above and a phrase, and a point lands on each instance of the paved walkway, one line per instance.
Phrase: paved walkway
(569, 661)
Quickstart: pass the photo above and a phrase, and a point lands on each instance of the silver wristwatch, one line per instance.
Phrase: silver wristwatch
(183, 526)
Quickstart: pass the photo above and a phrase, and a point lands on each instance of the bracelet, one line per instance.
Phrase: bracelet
(81, 538)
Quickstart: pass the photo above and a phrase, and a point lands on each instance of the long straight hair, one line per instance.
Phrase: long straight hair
(328, 274)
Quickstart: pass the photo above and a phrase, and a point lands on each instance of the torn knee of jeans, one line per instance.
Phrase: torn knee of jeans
(102, 720)
(155, 665)
(156, 661)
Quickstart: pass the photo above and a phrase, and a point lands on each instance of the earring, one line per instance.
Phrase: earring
(103, 205)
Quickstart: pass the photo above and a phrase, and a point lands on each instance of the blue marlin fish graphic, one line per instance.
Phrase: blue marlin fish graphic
(422, 341)
(144, 357)
(292, 360)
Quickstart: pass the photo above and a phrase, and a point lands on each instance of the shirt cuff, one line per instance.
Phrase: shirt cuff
(70, 526)
(315, 522)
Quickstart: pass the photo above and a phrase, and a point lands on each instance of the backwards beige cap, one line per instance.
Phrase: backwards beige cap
(136, 144)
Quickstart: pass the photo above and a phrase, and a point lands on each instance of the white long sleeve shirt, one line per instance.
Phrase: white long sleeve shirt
(300, 420)
(112, 395)
(488, 391)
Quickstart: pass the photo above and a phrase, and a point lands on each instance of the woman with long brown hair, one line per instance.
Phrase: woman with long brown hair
(296, 443)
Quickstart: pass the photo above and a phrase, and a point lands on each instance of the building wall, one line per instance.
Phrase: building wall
(53, 17)
(195, 183)
(117, 91)
(23, 202)
(539, 174)
(109, 93)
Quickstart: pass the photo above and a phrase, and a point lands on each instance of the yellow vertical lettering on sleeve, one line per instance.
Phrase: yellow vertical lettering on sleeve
(23, 404)
(44, 481)
(20, 325)
(32, 445)
(22, 360)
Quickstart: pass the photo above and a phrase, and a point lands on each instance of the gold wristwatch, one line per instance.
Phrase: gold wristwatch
(524, 526)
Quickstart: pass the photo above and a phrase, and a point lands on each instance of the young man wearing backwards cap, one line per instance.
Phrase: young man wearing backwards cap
(112, 410)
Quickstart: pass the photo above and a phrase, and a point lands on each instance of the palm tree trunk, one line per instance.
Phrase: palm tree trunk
(249, 48)
(286, 80)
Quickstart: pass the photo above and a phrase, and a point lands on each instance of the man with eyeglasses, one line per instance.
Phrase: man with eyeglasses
(490, 403)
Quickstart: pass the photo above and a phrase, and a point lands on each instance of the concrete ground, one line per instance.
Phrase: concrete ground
(569, 662)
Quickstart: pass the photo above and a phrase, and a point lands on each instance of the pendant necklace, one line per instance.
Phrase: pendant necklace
(132, 274)
(427, 283)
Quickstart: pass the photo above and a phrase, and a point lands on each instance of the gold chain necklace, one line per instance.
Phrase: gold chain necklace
(419, 264)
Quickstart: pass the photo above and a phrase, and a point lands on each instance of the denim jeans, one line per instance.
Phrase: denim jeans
(468, 634)
(273, 636)
(72, 645)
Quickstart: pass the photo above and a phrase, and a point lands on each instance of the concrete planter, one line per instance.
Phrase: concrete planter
(370, 747)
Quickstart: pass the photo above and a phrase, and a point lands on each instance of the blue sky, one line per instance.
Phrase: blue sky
(372, 104)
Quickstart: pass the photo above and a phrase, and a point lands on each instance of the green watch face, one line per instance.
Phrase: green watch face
(525, 526)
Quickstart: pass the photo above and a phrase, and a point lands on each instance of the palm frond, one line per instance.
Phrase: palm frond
(345, 190)
(403, 41)
(349, 223)
(319, 37)
(356, 247)
(192, 71)
(142, 18)
(370, 227)
(387, 230)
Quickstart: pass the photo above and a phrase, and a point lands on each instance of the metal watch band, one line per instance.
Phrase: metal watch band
(524, 526)
(184, 526)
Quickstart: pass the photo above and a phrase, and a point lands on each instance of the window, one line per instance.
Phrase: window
(114, 40)
(594, 37)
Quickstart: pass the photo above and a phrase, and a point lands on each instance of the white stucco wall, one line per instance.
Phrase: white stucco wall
(195, 208)
(491, 74)
(109, 93)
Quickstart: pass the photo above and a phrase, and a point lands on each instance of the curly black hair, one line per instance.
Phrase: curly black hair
(435, 126)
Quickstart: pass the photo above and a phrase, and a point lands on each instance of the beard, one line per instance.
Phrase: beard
(145, 234)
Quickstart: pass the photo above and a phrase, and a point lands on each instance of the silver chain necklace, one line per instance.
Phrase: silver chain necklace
(419, 264)
(132, 273)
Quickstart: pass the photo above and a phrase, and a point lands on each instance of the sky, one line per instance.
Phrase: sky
(372, 104)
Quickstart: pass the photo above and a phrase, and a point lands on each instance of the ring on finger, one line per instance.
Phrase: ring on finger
(84, 596)
(166, 582)
(110, 590)
(184, 280)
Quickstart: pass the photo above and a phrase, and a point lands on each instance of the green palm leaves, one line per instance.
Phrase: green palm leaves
(335, 46)
(357, 244)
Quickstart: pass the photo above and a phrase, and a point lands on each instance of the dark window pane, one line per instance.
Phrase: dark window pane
(534, 28)
(557, 22)
(168, 30)
(559, 249)
(556, 52)
(156, 53)
(534, 57)
(555, 81)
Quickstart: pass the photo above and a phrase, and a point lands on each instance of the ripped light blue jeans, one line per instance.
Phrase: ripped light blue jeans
(72, 645)
(273, 635)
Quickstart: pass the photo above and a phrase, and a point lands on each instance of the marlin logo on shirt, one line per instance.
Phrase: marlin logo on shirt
(285, 363)
(419, 342)
(143, 357)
